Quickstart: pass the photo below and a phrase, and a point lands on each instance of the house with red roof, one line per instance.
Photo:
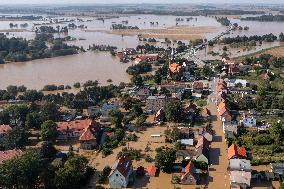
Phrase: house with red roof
(122, 173)
(74, 129)
(189, 177)
(237, 152)
(9, 154)
(88, 140)
(4, 129)
(151, 171)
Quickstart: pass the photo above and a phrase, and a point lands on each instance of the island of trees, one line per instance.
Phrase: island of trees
(19, 49)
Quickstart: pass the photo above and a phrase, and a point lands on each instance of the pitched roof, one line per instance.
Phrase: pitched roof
(223, 111)
(78, 125)
(9, 154)
(189, 169)
(221, 105)
(174, 67)
(151, 170)
(240, 177)
(203, 151)
(235, 151)
(240, 165)
(202, 142)
(197, 85)
(4, 129)
(123, 165)
(87, 135)
(208, 136)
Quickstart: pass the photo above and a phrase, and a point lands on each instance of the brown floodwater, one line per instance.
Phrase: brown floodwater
(64, 70)
(101, 66)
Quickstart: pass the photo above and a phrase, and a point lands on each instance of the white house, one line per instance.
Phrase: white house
(248, 121)
(121, 174)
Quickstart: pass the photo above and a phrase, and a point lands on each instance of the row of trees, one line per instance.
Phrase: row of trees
(240, 39)
(266, 18)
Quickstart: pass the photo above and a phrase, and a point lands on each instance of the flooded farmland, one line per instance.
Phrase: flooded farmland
(67, 70)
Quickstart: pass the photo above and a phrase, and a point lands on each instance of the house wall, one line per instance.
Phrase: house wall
(88, 145)
(117, 180)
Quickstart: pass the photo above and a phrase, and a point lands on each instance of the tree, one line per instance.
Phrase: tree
(104, 175)
(174, 112)
(34, 120)
(172, 135)
(50, 111)
(21, 172)
(276, 131)
(140, 121)
(17, 138)
(47, 150)
(117, 117)
(137, 80)
(49, 131)
(165, 159)
(32, 95)
(72, 173)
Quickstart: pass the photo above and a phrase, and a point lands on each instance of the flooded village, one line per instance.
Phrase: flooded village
(158, 97)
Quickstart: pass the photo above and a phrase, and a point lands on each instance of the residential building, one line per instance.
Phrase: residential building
(122, 173)
(4, 129)
(74, 129)
(107, 107)
(9, 154)
(175, 69)
(143, 92)
(187, 142)
(197, 87)
(248, 121)
(208, 136)
(277, 169)
(148, 58)
(240, 179)
(240, 165)
(202, 154)
(88, 140)
(129, 51)
(189, 177)
(237, 152)
(155, 103)
(160, 115)
(93, 111)
(202, 141)
(151, 171)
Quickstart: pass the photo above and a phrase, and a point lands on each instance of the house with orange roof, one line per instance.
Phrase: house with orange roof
(237, 152)
(151, 171)
(174, 68)
(9, 154)
(189, 177)
(88, 140)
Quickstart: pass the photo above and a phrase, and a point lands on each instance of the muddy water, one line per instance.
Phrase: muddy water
(64, 70)
(101, 66)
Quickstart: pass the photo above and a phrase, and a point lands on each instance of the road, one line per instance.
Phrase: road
(218, 174)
